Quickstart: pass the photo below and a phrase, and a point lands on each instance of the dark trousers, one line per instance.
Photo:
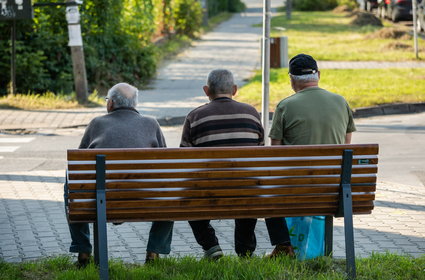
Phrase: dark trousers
(245, 241)
(278, 231)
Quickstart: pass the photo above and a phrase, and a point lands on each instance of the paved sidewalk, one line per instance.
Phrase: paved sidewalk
(34, 224)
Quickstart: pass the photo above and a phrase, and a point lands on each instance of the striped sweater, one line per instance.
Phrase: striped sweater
(222, 122)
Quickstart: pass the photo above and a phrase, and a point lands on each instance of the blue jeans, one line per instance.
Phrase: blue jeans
(159, 242)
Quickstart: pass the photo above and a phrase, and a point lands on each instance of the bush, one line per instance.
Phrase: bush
(314, 5)
(117, 37)
(188, 14)
(217, 6)
(352, 4)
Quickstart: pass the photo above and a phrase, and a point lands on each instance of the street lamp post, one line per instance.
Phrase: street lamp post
(266, 69)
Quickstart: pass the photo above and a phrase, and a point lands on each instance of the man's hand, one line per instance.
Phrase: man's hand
(276, 142)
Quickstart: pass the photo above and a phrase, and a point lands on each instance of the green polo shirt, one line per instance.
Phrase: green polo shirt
(312, 116)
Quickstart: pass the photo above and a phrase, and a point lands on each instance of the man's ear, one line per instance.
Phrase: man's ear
(234, 90)
(207, 91)
(318, 73)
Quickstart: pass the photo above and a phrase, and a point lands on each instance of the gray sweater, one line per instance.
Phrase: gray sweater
(122, 128)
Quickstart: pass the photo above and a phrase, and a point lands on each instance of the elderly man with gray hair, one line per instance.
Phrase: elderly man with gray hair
(122, 127)
(225, 122)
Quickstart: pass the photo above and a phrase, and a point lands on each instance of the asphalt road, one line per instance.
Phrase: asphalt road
(401, 139)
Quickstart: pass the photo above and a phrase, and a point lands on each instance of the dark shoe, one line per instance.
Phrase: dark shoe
(282, 250)
(151, 256)
(213, 253)
(83, 260)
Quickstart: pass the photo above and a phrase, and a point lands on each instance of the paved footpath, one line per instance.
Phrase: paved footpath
(33, 224)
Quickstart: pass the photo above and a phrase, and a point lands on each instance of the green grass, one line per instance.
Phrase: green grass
(47, 101)
(377, 267)
(361, 87)
(330, 36)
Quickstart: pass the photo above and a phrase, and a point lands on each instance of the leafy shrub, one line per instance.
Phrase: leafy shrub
(117, 36)
(352, 4)
(217, 6)
(314, 5)
(188, 14)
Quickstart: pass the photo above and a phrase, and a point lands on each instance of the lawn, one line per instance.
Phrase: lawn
(361, 87)
(377, 267)
(47, 100)
(330, 36)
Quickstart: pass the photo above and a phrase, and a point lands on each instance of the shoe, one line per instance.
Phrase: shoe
(213, 253)
(282, 250)
(151, 256)
(83, 260)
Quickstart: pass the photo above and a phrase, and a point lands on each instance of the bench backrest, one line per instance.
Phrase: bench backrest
(219, 183)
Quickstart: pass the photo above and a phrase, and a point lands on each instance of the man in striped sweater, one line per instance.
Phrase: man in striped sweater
(225, 122)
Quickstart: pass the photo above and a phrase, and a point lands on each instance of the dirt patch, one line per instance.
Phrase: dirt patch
(342, 9)
(362, 19)
(390, 33)
(398, 46)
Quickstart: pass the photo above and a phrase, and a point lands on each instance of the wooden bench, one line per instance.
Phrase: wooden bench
(133, 185)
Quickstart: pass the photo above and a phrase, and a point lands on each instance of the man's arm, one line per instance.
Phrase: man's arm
(348, 138)
(276, 142)
(185, 140)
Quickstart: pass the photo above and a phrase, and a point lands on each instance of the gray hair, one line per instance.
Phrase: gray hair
(220, 81)
(123, 95)
(306, 78)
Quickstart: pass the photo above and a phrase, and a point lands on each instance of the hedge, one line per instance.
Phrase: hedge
(117, 36)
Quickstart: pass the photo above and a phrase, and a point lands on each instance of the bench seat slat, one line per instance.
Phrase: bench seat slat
(224, 152)
(228, 163)
(210, 193)
(192, 215)
(144, 203)
(221, 183)
(234, 173)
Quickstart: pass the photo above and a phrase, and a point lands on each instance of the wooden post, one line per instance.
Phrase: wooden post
(77, 52)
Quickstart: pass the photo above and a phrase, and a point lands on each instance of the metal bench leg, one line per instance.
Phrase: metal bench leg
(100, 230)
(329, 226)
(346, 207)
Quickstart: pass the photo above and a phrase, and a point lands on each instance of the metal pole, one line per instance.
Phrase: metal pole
(266, 70)
(415, 30)
(288, 5)
(13, 59)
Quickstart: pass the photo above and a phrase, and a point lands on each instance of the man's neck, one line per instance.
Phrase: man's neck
(221, 96)
(306, 85)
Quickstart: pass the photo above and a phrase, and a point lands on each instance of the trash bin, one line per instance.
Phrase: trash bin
(279, 52)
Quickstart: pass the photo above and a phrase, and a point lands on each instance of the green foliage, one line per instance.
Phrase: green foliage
(188, 17)
(118, 40)
(218, 6)
(352, 4)
(315, 5)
